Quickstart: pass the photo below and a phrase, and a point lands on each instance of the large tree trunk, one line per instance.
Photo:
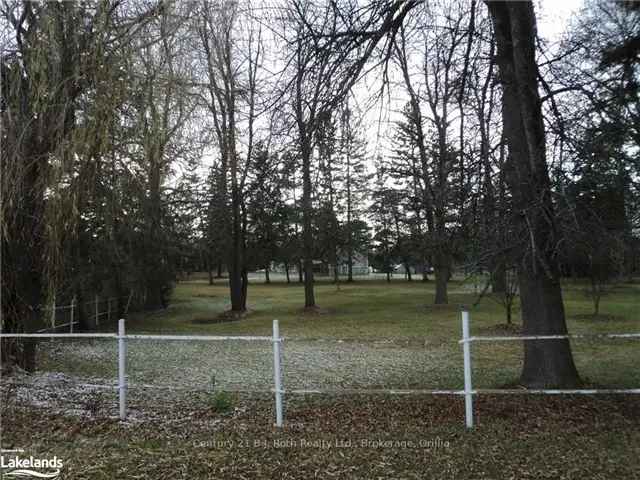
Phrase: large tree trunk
(210, 269)
(237, 286)
(442, 273)
(244, 289)
(499, 279)
(154, 274)
(547, 363)
(442, 277)
(307, 232)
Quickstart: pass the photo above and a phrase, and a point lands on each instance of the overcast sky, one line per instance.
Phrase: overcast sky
(554, 16)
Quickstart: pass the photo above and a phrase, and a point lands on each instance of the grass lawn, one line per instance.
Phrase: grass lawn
(368, 334)
(400, 310)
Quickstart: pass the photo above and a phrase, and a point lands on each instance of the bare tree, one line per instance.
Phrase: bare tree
(546, 363)
(433, 100)
(231, 83)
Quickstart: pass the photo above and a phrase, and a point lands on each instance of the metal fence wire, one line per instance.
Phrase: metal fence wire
(138, 367)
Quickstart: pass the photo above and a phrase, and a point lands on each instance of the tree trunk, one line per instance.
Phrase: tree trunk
(499, 279)
(388, 276)
(266, 274)
(442, 274)
(23, 249)
(153, 264)
(350, 266)
(425, 268)
(596, 294)
(245, 287)
(300, 272)
(307, 232)
(407, 269)
(547, 363)
(286, 271)
(442, 277)
(210, 270)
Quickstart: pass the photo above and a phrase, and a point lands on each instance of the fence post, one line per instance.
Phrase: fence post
(73, 305)
(466, 348)
(277, 379)
(122, 379)
(97, 314)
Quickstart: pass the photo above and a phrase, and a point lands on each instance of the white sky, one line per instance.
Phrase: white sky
(554, 16)
(553, 19)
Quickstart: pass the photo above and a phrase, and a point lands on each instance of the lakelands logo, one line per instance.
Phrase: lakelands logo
(15, 466)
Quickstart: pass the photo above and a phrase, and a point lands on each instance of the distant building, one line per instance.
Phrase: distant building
(322, 268)
(360, 265)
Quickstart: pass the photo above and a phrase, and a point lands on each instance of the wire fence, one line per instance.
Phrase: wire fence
(469, 392)
(96, 309)
(253, 370)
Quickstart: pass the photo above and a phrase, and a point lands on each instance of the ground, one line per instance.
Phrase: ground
(369, 335)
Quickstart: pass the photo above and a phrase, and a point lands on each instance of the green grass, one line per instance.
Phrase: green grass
(369, 309)
(522, 437)
(365, 309)
(403, 310)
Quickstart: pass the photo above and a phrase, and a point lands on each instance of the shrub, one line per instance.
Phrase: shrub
(221, 401)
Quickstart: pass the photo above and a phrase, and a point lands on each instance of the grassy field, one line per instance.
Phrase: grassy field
(400, 310)
(368, 334)
(371, 308)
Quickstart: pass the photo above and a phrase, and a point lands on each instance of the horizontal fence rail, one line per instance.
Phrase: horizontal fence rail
(58, 335)
(122, 386)
(549, 337)
(204, 338)
(278, 390)
(468, 392)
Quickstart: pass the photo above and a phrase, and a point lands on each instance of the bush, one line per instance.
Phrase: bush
(221, 401)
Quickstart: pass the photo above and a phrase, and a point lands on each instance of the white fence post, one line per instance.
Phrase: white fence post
(122, 379)
(466, 348)
(73, 306)
(277, 378)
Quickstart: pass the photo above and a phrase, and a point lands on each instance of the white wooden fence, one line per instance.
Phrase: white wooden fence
(278, 389)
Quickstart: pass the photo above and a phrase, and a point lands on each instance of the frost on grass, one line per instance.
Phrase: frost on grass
(80, 377)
